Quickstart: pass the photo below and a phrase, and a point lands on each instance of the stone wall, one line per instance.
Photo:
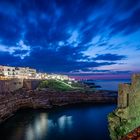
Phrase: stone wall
(10, 85)
(123, 95)
(31, 84)
(127, 115)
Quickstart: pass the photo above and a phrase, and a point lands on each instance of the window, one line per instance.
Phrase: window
(16, 68)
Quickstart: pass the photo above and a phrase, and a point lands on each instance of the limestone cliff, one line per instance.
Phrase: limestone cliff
(12, 101)
(127, 115)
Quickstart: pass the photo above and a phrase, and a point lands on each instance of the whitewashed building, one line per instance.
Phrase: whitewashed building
(17, 72)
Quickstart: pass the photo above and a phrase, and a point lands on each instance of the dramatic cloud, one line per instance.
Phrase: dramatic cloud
(68, 36)
(110, 57)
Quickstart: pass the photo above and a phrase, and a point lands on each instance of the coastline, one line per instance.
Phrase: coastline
(22, 98)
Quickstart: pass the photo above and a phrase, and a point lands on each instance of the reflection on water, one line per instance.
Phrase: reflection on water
(68, 123)
(39, 128)
(64, 122)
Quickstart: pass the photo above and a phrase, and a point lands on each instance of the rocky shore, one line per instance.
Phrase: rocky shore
(10, 102)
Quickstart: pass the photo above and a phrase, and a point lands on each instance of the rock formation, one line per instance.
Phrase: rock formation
(23, 98)
(127, 115)
(11, 85)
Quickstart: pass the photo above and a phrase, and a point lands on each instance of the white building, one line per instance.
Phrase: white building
(58, 76)
(41, 75)
(28, 73)
(17, 72)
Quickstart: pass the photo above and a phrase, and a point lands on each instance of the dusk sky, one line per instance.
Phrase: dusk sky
(71, 36)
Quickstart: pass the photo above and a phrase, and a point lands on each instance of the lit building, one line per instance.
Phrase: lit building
(28, 73)
(17, 72)
(7, 71)
(58, 76)
(31, 72)
(41, 76)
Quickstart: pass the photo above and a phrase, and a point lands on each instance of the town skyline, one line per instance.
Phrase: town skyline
(11, 72)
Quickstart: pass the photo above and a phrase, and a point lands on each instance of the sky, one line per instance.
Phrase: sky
(75, 37)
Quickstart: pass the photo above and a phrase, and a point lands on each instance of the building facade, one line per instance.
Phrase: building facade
(17, 72)
(7, 72)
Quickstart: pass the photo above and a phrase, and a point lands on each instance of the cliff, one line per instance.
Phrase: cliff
(127, 115)
(23, 98)
(11, 85)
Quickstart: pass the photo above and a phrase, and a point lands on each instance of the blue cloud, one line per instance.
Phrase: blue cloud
(57, 33)
(110, 57)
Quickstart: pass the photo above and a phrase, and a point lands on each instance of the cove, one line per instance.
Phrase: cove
(73, 122)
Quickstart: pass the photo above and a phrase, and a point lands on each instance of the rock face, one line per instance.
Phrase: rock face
(14, 84)
(31, 84)
(127, 115)
(23, 98)
(10, 85)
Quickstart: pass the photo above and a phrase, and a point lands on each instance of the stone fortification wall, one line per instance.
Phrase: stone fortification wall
(127, 115)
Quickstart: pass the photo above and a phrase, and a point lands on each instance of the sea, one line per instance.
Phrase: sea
(109, 84)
